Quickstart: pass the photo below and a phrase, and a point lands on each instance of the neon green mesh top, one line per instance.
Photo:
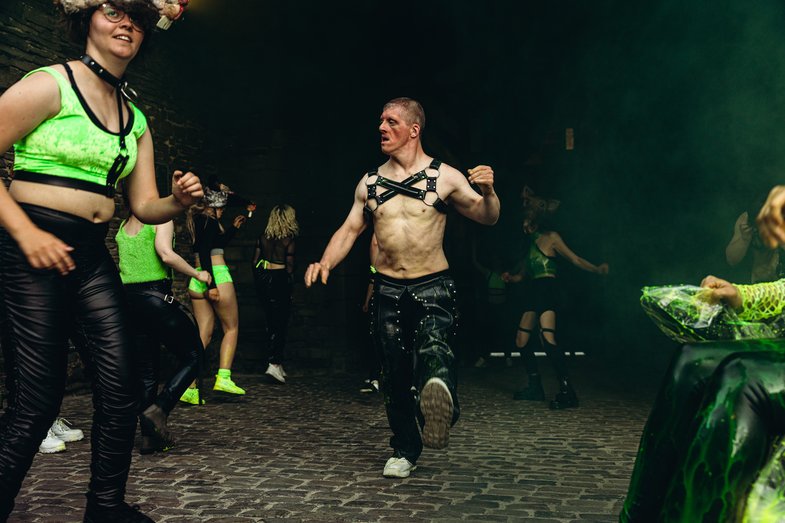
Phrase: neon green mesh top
(762, 300)
(538, 264)
(139, 262)
(72, 145)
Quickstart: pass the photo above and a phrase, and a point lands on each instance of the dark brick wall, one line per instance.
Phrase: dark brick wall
(323, 331)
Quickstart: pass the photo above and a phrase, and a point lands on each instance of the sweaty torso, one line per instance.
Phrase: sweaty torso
(409, 231)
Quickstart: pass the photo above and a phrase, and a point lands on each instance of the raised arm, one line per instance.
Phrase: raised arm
(562, 249)
(740, 243)
(482, 208)
(342, 241)
(163, 246)
(146, 204)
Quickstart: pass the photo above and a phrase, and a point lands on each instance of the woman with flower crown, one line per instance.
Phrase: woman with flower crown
(75, 135)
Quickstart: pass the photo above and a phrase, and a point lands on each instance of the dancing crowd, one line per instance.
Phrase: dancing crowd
(80, 143)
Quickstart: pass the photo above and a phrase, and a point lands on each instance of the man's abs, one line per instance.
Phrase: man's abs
(410, 246)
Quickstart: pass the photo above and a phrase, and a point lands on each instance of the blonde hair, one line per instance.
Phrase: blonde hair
(198, 208)
(282, 223)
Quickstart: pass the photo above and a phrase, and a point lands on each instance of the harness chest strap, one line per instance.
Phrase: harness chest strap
(405, 187)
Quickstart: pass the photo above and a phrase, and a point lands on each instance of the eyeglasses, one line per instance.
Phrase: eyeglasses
(116, 15)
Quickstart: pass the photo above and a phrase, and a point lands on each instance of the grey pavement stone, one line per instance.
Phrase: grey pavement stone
(313, 451)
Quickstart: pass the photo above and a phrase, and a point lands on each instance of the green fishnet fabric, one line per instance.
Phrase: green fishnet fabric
(762, 300)
(682, 314)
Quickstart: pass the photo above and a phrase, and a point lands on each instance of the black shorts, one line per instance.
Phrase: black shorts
(540, 295)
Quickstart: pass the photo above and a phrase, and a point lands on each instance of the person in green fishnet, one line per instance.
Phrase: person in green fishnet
(712, 447)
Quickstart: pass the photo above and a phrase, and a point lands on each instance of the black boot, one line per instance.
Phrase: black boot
(566, 398)
(533, 391)
(153, 422)
(153, 444)
(122, 513)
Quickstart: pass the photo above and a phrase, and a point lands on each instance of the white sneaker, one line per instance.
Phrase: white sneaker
(398, 468)
(63, 431)
(51, 444)
(276, 372)
(436, 407)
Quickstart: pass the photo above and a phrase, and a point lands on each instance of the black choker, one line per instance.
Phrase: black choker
(122, 90)
(121, 84)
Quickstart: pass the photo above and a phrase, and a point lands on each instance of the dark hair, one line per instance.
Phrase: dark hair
(143, 12)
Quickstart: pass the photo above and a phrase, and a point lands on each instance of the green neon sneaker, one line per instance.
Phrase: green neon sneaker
(191, 396)
(227, 385)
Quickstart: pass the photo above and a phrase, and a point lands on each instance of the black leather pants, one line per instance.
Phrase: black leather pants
(274, 290)
(41, 310)
(412, 324)
(158, 319)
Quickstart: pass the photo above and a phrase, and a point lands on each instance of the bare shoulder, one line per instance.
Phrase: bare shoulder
(363, 182)
(451, 177)
(31, 100)
(450, 171)
(551, 236)
(40, 83)
(361, 189)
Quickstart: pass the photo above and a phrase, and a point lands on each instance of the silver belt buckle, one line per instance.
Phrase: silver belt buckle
(169, 298)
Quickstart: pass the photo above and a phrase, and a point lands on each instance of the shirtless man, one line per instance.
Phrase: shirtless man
(413, 309)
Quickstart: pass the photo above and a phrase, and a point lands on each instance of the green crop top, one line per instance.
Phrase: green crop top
(139, 262)
(539, 264)
(73, 148)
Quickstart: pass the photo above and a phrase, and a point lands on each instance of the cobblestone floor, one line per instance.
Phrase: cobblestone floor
(313, 450)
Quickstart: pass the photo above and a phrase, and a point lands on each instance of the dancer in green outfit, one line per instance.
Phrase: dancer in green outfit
(541, 304)
(147, 258)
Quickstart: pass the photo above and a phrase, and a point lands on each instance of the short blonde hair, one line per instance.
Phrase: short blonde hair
(411, 108)
(282, 223)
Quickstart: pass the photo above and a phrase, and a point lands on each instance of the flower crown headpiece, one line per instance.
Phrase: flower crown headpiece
(170, 10)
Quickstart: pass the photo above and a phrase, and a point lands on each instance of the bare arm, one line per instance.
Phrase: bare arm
(740, 243)
(342, 241)
(23, 107)
(562, 249)
(163, 246)
(480, 208)
(143, 193)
